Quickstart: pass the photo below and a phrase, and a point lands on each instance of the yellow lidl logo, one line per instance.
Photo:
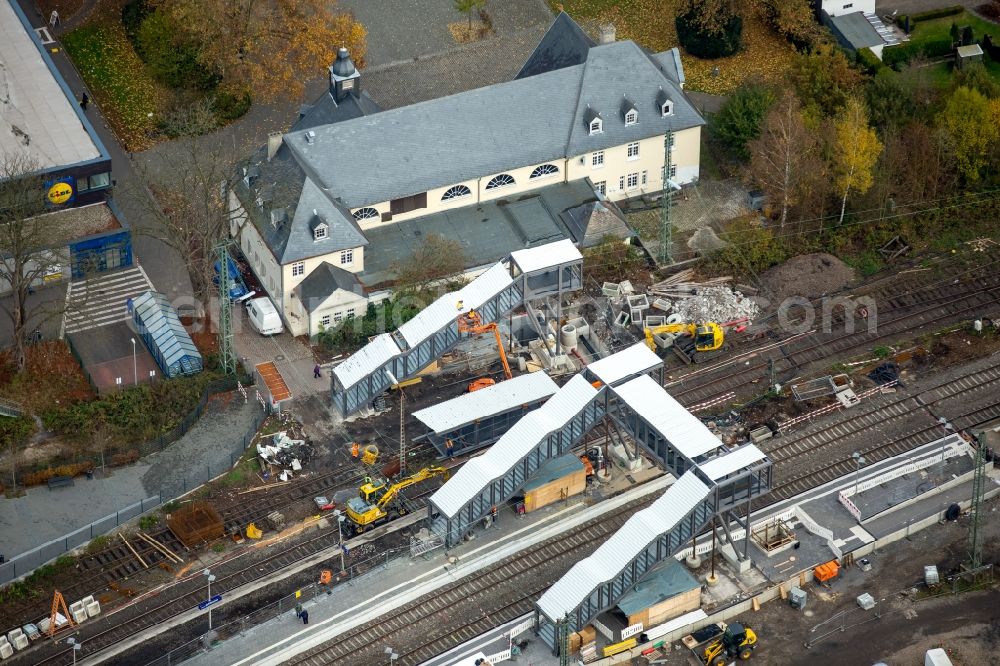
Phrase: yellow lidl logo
(60, 193)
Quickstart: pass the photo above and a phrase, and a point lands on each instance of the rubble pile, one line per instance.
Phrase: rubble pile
(718, 304)
(284, 452)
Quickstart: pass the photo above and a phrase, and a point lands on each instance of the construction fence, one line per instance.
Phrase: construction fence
(25, 563)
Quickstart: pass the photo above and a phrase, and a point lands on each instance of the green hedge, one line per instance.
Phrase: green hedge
(936, 13)
(898, 55)
(869, 62)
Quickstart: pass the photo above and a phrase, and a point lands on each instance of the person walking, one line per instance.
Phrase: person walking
(317, 372)
(305, 617)
(84, 101)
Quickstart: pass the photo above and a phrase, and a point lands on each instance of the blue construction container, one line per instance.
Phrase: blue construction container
(164, 335)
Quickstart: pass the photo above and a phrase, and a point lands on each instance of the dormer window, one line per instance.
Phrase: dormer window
(629, 113)
(319, 233)
(318, 226)
(593, 120)
(664, 104)
(632, 117)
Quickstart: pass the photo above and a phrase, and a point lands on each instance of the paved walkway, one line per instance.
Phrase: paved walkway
(203, 453)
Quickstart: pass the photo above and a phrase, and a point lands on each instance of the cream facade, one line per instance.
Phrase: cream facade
(611, 170)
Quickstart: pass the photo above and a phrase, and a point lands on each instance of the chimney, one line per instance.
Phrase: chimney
(607, 33)
(273, 143)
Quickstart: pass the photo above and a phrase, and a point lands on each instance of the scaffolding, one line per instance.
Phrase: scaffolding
(666, 224)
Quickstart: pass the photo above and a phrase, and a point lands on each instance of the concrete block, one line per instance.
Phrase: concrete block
(729, 554)
(866, 601)
(5, 648)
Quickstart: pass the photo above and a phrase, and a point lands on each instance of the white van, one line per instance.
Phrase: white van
(263, 317)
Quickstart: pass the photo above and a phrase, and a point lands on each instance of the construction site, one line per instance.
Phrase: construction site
(543, 468)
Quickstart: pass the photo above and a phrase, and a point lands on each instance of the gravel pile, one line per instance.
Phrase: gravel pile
(718, 304)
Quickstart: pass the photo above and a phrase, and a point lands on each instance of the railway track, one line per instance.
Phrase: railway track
(907, 421)
(940, 306)
(484, 600)
(179, 599)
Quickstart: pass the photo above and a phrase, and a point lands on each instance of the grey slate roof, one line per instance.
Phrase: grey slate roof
(481, 63)
(489, 231)
(325, 110)
(855, 30)
(324, 280)
(284, 187)
(565, 44)
(409, 150)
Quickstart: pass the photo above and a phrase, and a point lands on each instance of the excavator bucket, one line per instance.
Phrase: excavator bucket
(370, 455)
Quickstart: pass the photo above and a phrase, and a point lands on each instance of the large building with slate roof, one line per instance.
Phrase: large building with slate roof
(325, 209)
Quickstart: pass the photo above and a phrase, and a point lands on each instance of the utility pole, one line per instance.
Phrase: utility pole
(402, 435)
(227, 351)
(666, 225)
(978, 483)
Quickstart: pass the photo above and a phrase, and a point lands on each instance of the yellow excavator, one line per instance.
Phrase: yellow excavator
(377, 503)
(700, 342)
(737, 640)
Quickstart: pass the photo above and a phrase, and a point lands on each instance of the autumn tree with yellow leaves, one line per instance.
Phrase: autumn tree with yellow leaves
(268, 47)
(968, 124)
(854, 151)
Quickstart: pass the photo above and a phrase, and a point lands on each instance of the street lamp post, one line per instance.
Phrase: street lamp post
(859, 461)
(389, 652)
(135, 367)
(210, 576)
(76, 647)
(340, 536)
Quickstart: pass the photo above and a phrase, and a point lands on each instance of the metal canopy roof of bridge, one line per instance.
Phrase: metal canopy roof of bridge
(445, 310)
(635, 360)
(717, 468)
(366, 360)
(635, 535)
(497, 399)
(677, 425)
(550, 255)
(516, 443)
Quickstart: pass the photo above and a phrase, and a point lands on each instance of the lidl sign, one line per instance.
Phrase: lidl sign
(60, 191)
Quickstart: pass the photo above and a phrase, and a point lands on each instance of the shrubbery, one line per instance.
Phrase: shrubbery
(869, 62)
(40, 477)
(172, 60)
(352, 333)
(710, 30)
(941, 12)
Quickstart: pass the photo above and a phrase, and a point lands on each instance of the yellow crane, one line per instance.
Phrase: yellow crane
(372, 504)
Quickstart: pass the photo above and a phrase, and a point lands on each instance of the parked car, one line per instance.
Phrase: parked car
(263, 316)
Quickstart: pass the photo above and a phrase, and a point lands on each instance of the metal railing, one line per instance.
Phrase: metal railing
(24, 563)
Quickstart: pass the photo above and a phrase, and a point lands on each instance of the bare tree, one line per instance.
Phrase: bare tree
(29, 248)
(778, 156)
(189, 208)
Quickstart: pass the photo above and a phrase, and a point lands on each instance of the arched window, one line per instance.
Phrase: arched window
(503, 180)
(455, 192)
(366, 214)
(544, 170)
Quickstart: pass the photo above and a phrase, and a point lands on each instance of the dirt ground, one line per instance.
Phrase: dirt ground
(967, 625)
(807, 275)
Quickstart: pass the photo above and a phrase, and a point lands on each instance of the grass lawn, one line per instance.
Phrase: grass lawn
(936, 76)
(935, 29)
(650, 23)
(125, 91)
